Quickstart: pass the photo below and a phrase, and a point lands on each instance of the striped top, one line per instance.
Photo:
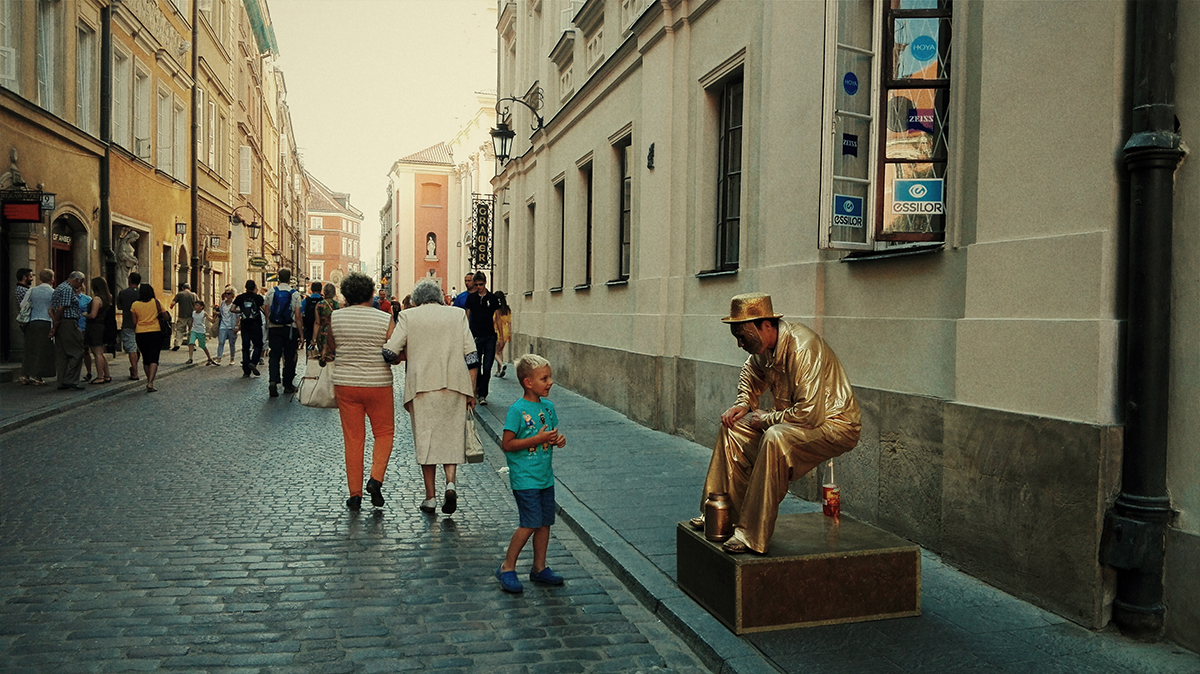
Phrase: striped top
(358, 335)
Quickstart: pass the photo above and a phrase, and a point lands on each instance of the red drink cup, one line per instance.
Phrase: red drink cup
(831, 500)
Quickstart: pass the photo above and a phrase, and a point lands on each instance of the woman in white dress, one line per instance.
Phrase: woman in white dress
(439, 385)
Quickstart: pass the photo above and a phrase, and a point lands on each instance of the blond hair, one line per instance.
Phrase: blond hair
(526, 364)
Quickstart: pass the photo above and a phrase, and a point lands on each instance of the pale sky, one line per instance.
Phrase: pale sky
(371, 81)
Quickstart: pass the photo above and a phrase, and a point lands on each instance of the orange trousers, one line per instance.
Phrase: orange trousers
(355, 404)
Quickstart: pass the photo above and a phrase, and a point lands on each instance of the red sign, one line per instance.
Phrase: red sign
(23, 212)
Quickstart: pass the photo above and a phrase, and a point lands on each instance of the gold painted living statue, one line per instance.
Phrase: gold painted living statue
(758, 452)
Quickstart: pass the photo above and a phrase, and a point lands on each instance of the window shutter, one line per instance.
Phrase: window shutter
(244, 169)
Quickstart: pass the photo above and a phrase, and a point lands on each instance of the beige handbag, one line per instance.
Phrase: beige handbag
(474, 444)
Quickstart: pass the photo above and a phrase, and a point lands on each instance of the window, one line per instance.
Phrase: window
(560, 194)
(180, 144)
(316, 222)
(729, 176)
(49, 53)
(530, 248)
(316, 270)
(10, 48)
(244, 169)
(210, 130)
(200, 107)
(141, 113)
(165, 128)
(122, 89)
(884, 160)
(587, 186)
(87, 93)
(222, 133)
(625, 226)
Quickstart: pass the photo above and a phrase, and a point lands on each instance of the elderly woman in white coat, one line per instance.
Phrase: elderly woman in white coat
(439, 385)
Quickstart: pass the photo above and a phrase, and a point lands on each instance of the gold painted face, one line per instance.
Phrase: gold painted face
(748, 337)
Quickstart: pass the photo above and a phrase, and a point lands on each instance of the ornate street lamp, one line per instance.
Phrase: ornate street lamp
(502, 135)
(236, 219)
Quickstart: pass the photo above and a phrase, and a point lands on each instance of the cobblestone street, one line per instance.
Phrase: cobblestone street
(203, 528)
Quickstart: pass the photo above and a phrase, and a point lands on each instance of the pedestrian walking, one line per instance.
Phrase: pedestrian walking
(502, 321)
(362, 385)
(227, 326)
(460, 300)
(64, 330)
(38, 362)
(481, 306)
(309, 310)
(101, 328)
(199, 333)
(284, 324)
(150, 338)
(438, 385)
(185, 300)
(381, 302)
(125, 300)
(249, 306)
(84, 300)
(324, 311)
(24, 281)
(530, 436)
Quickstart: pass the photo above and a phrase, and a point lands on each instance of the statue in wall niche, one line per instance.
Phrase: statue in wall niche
(127, 260)
(431, 247)
(758, 452)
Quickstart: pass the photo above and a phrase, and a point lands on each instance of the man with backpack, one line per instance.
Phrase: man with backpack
(284, 323)
(309, 309)
(250, 305)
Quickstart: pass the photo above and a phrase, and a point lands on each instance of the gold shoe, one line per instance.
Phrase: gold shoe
(734, 547)
(697, 523)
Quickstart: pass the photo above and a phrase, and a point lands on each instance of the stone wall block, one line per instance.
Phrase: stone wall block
(910, 466)
(1034, 486)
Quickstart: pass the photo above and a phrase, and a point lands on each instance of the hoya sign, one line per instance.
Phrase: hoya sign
(918, 197)
(847, 211)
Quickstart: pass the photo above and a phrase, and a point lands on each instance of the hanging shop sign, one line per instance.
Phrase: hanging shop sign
(483, 207)
(259, 262)
(218, 255)
(22, 205)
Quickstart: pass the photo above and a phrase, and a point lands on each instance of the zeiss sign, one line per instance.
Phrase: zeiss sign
(847, 211)
(918, 197)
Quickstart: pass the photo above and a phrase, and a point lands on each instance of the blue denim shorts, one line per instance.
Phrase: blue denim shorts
(535, 506)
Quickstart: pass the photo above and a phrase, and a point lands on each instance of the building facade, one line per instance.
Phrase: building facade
(420, 236)
(143, 123)
(334, 234)
(873, 166)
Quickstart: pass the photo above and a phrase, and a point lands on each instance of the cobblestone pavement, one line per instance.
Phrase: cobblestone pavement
(203, 529)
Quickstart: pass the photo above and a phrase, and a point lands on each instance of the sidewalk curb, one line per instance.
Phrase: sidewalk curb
(77, 401)
(719, 649)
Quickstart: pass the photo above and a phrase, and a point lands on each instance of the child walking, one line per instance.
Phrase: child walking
(198, 333)
(530, 433)
(502, 322)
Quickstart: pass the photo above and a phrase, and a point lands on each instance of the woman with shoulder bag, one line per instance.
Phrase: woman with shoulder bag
(39, 350)
(362, 382)
(94, 337)
(148, 332)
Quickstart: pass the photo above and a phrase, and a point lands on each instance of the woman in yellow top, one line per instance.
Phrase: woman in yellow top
(502, 322)
(148, 334)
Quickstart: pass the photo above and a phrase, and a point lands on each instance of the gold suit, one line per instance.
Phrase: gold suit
(816, 418)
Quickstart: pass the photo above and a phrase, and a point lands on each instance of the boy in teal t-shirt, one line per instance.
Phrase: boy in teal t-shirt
(530, 434)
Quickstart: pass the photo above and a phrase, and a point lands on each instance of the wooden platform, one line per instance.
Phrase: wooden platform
(819, 571)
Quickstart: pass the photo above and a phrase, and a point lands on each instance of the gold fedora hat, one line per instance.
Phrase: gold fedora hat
(750, 307)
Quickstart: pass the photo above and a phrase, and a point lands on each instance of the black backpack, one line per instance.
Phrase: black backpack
(310, 311)
(281, 307)
(250, 310)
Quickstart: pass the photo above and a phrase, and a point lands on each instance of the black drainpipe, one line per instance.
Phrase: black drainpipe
(108, 259)
(1135, 528)
(195, 191)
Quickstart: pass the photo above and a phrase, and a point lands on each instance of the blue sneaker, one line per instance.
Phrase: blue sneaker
(546, 576)
(508, 581)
